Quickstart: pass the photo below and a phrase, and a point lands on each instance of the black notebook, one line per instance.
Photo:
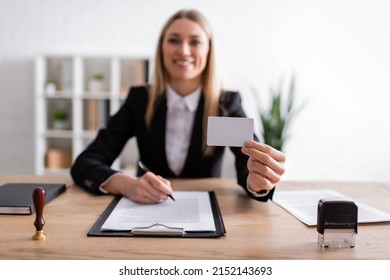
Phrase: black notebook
(162, 230)
(16, 198)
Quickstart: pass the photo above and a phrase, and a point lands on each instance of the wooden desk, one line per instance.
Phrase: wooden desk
(255, 230)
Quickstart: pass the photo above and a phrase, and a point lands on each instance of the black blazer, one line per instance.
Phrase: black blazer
(92, 166)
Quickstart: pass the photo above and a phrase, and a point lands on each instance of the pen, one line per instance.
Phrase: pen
(144, 168)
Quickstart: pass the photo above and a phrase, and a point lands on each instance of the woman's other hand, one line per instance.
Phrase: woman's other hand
(148, 189)
(265, 166)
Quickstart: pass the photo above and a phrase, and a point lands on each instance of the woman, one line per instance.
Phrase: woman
(168, 119)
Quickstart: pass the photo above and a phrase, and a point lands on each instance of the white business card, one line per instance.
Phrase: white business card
(229, 131)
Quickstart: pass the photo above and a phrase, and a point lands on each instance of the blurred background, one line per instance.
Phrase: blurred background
(338, 51)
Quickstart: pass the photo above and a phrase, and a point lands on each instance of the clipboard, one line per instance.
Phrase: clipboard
(160, 230)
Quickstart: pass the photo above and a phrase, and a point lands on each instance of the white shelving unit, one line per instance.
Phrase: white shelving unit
(70, 108)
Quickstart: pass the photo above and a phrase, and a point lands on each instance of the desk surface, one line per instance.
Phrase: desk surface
(255, 230)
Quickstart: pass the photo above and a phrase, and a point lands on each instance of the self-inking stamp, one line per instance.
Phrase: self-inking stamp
(337, 222)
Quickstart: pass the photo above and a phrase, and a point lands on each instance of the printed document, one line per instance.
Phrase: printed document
(190, 211)
(303, 205)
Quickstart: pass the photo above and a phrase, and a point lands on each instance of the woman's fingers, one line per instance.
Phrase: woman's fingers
(265, 165)
(265, 155)
(152, 188)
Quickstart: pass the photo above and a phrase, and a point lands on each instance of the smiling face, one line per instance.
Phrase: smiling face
(185, 49)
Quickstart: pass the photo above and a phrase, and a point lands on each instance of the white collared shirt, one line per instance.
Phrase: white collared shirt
(180, 120)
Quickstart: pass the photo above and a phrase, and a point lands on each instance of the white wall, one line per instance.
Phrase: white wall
(339, 50)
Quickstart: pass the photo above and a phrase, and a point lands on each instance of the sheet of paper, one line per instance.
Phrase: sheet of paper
(229, 131)
(191, 211)
(303, 205)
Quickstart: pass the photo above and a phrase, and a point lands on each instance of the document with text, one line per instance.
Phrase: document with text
(303, 205)
(191, 211)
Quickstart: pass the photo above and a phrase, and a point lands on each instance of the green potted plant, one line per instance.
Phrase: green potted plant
(276, 119)
(60, 119)
(96, 83)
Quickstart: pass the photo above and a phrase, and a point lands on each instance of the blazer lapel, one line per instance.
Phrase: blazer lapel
(195, 148)
(158, 133)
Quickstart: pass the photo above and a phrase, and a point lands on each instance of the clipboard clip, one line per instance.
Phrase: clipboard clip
(157, 229)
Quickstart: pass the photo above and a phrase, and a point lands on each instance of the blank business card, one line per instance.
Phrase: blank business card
(229, 131)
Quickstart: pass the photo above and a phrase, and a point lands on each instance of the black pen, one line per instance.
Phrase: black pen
(144, 168)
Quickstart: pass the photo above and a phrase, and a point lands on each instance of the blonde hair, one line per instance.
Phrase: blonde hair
(210, 83)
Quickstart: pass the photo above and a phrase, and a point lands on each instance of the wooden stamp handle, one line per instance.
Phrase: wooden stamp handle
(39, 197)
